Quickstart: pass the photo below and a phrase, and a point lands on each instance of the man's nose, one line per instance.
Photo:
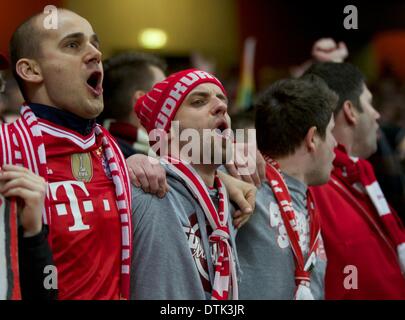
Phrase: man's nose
(93, 54)
(220, 107)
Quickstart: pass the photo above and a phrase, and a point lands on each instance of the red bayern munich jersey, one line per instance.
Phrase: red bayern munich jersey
(85, 230)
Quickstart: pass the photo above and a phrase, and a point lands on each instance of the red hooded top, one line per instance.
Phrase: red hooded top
(362, 259)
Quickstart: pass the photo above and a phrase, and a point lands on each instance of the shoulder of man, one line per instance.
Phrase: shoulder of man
(265, 193)
(146, 206)
(144, 203)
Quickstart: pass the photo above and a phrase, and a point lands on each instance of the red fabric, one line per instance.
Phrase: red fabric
(16, 292)
(354, 235)
(89, 220)
(158, 107)
(9, 271)
(361, 171)
(125, 131)
(98, 274)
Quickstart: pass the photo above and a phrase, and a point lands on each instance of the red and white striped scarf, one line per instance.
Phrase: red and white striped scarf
(22, 144)
(354, 170)
(9, 273)
(283, 198)
(225, 285)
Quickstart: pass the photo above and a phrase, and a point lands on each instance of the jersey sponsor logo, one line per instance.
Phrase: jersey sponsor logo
(82, 167)
(74, 205)
(79, 202)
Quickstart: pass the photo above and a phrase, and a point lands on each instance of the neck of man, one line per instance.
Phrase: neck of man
(63, 118)
(295, 166)
(206, 172)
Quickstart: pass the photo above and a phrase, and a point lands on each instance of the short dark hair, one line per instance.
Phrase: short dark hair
(243, 119)
(288, 109)
(345, 79)
(123, 74)
(25, 43)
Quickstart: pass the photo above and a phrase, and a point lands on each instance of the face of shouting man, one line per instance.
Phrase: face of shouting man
(67, 72)
(192, 106)
(205, 112)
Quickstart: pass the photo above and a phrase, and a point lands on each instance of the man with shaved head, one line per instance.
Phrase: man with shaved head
(87, 207)
(60, 67)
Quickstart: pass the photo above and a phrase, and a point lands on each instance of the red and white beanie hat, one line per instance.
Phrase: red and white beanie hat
(158, 107)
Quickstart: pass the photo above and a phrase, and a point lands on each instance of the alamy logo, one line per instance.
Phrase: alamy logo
(51, 18)
(351, 20)
(207, 146)
(51, 278)
(351, 280)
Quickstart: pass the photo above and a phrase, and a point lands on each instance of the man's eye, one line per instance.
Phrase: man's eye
(73, 45)
(197, 102)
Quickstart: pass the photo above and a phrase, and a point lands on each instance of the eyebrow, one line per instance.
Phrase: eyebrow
(206, 94)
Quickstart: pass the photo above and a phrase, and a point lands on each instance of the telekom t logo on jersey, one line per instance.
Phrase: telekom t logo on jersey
(68, 187)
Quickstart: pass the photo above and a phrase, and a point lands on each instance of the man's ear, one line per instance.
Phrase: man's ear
(349, 112)
(310, 139)
(29, 70)
(136, 95)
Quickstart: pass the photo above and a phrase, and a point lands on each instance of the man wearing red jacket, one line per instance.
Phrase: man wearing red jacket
(364, 238)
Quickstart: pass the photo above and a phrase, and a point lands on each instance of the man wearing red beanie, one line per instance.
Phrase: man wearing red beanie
(184, 243)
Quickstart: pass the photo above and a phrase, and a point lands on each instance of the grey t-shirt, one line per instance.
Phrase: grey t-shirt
(171, 244)
(265, 254)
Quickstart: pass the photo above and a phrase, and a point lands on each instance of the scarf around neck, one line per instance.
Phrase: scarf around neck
(281, 193)
(225, 285)
(359, 171)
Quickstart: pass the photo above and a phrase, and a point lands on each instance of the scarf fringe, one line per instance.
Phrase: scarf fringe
(304, 292)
